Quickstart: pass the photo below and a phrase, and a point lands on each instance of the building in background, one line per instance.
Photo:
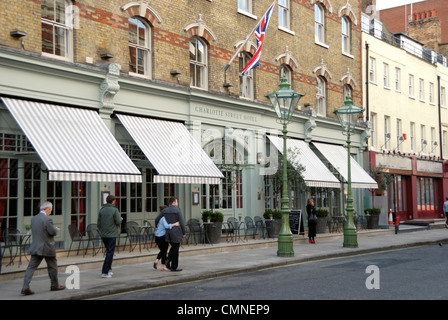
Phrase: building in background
(405, 98)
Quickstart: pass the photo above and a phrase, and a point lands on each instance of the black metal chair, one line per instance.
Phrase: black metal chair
(11, 243)
(134, 235)
(250, 227)
(75, 236)
(148, 235)
(261, 226)
(194, 229)
(94, 237)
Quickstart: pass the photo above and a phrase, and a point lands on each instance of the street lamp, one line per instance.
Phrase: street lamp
(348, 116)
(284, 102)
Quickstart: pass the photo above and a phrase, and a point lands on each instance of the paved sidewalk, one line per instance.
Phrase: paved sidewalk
(200, 262)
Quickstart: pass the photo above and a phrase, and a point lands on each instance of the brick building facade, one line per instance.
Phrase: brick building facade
(425, 21)
(164, 59)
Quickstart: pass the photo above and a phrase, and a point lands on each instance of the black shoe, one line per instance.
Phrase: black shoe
(176, 269)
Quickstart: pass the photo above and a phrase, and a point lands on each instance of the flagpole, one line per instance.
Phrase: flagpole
(247, 39)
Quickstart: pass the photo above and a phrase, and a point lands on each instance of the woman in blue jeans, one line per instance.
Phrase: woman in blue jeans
(161, 241)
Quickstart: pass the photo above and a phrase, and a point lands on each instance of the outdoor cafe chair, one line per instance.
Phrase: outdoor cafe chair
(134, 235)
(250, 227)
(94, 237)
(75, 236)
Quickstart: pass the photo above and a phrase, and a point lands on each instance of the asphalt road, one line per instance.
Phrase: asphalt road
(405, 274)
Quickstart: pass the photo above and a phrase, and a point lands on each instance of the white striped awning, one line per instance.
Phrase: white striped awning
(316, 174)
(172, 150)
(337, 156)
(73, 143)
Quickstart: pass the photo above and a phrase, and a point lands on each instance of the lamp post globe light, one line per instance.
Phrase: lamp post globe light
(284, 102)
(348, 116)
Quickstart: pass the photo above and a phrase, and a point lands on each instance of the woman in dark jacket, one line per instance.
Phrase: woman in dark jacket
(312, 220)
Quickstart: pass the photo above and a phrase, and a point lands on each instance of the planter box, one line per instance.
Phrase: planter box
(372, 221)
(213, 232)
(273, 227)
(321, 226)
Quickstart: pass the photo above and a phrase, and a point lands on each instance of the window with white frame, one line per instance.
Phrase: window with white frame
(397, 79)
(399, 135)
(346, 35)
(321, 96)
(423, 141)
(433, 139)
(411, 86)
(198, 63)
(245, 5)
(373, 130)
(387, 133)
(372, 70)
(412, 133)
(319, 23)
(284, 14)
(57, 29)
(139, 47)
(386, 75)
(445, 144)
(421, 89)
(246, 81)
(443, 96)
(431, 92)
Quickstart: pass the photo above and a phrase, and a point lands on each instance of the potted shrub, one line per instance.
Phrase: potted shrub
(322, 217)
(372, 215)
(213, 228)
(273, 220)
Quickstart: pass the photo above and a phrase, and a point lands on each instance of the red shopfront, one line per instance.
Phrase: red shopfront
(417, 187)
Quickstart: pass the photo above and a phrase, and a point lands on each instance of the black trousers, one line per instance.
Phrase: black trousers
(163, 247)
(109, 244)
(173, 255)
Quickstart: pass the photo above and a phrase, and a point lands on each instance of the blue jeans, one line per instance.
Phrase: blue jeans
(109, 244)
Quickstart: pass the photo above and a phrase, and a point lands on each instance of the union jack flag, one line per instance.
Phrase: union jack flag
(259, 34)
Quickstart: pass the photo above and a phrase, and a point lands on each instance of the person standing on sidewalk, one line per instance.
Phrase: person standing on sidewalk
(312, 220)
(109, 222)
(42, 247)
(176, 235)
(445, 210)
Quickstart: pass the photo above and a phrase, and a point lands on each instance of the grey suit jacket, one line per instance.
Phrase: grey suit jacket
(43, 232)
(173, 214)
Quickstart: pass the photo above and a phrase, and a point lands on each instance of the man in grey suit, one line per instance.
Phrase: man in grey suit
(174, 236)
(43, 232)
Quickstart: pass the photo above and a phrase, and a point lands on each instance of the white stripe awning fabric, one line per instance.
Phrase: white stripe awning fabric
(172, 150)
(337, 156)
(74, 144)
(316, 174)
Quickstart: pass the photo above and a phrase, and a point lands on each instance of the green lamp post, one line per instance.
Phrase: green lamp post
(284, 102)
(348, 116)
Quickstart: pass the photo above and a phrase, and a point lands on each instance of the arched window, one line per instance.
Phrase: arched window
(198, 63)
(346, 35)
(319, 23)
(56, 24)
(321, 96)
(286, 71)
(246, 81)
(346, 91)
(139, 47)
